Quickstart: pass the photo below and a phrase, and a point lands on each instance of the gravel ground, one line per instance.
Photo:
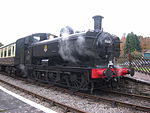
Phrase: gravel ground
(88, 105)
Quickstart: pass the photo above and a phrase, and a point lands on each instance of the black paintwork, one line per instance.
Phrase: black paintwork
(66, 61)
(92, 51)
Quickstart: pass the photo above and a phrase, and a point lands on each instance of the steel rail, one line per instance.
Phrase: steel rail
(127, 94)
(98, 98)
(115, 102)
(42, 98)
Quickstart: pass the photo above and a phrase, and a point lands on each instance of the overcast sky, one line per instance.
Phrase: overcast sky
(19, 18)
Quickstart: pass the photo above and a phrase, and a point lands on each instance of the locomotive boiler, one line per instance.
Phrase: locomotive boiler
(74, 60)
(88, 49)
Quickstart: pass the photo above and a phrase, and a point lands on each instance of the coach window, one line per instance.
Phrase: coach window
(9, 51)
(1, 53)
(13, 50)
(5, 52)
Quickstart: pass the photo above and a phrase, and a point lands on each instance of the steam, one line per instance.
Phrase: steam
(23, 71)
(22, 67)
(66, 49)
(71, 48)
(66, 31)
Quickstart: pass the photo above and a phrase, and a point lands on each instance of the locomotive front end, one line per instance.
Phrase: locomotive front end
(108, 49)
(111, 72)
(108, 45)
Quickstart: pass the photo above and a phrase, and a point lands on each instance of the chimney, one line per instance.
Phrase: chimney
(98, 23)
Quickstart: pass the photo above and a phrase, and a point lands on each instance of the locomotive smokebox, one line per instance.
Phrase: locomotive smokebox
(98, 23)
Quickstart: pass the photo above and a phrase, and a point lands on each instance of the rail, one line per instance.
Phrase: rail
(52, 102)
(127, 94)
(113, 102)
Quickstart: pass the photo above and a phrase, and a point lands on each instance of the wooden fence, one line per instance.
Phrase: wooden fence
(140, 64)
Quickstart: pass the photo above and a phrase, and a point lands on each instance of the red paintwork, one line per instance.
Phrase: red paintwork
(98, 72)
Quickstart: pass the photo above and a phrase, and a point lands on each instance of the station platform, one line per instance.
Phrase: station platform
(14, 103)
(140, 77)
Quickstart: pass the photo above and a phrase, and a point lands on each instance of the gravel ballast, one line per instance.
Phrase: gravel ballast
(87, 105)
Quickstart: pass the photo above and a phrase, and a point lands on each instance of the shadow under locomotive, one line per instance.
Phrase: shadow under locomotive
(77, 61)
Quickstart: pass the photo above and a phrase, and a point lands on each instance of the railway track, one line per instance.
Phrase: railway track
(115, 103)
(42, 98)
(97, 98)
(127, 94)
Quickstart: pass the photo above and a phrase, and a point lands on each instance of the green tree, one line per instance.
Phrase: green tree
(1, 44)
(132, 43)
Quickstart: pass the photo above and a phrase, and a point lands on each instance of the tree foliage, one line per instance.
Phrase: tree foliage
(132, 43)
(144, 42)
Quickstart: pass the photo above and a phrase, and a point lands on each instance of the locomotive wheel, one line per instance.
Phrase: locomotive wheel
(31, 74)
(52, 77)
(13, 71)
(9, 71)
(76, 81)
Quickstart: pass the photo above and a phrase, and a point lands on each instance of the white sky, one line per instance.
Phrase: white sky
(19, 18)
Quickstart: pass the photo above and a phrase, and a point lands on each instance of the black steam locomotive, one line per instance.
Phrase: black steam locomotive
(74, 60)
